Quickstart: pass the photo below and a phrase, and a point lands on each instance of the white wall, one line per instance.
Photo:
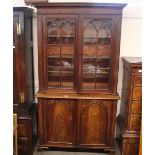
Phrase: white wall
(131, 39)
(131, 34)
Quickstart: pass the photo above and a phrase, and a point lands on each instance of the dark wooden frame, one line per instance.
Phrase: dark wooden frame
(23, 82)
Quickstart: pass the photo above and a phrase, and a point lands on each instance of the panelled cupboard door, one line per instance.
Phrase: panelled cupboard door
(59, 58)
(94, 123)
(58, 122)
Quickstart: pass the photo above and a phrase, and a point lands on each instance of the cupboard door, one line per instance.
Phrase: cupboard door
(59, 44)
(95, 122)
(58, 121)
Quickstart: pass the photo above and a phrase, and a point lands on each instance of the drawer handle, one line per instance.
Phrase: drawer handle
(140, 71)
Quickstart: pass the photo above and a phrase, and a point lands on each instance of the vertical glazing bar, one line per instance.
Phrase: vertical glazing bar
(96, 51)
(60, 59)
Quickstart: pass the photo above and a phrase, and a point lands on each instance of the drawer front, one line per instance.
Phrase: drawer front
(24, 147)
(134, 123)
(22, 130)
(130, 146)
(137, 80)
(25, 136)
(137, 93)
(136, 107)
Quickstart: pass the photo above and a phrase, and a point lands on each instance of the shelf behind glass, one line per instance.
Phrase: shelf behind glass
(92, 74)
(93, 40)
(64, 51)
(60, 73)
(61, 62)
(60, 40)
(63, 79)
(63, 36)
(55, 68)
(97, 50)
(62, 57)
(64, 85)
(95, 57)
(92, 86)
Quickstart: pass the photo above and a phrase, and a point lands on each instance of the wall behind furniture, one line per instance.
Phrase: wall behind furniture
(131, 34)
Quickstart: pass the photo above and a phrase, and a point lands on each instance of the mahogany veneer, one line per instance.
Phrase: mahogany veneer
(78, 45)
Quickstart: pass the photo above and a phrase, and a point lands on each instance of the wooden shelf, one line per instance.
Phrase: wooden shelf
(63, 74)
(62, 56)
(96, 73)
(97, 57)
(56, 36)
(96, 45)
(62, 68)
(61, 44)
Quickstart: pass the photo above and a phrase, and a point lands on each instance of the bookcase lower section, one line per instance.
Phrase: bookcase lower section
(77, 123)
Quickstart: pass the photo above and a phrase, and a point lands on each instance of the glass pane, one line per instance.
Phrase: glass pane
(96, 54)
(67, 51)
(60, 49)
(89, 73)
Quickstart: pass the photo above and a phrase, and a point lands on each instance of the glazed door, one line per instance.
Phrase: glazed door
(58, 122)
(95, 123)
(98, 44)
(59, 58)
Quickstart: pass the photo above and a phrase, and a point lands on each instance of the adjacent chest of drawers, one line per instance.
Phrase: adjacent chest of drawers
(129, 119)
